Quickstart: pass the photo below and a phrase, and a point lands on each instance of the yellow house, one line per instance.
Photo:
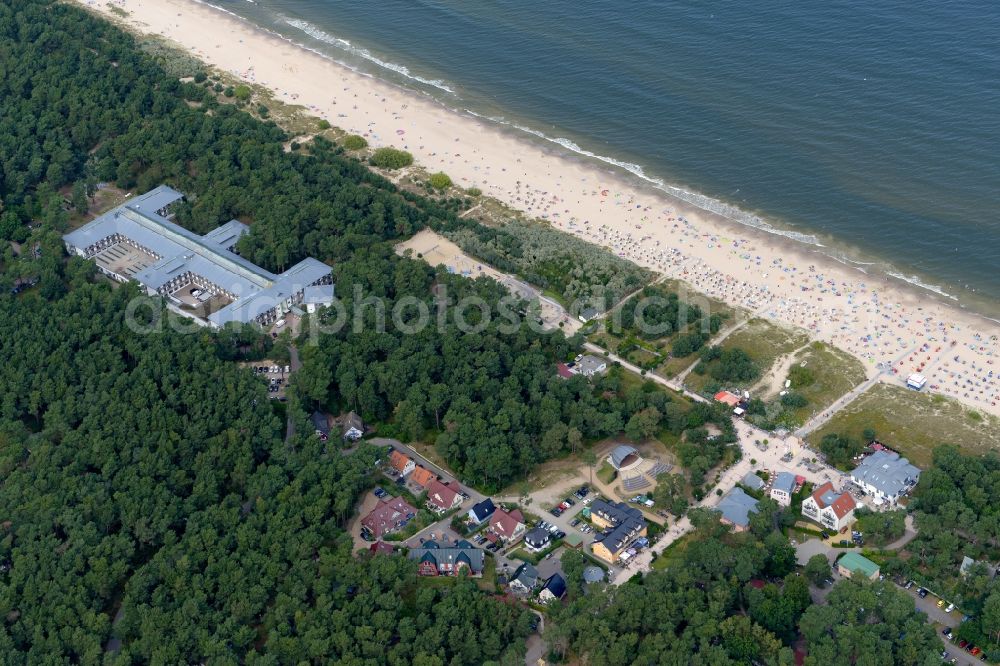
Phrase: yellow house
(623, 525)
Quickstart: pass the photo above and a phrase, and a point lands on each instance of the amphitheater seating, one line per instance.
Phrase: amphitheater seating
(659, 468)
(635, 483)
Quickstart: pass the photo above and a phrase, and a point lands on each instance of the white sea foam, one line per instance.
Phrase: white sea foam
(700, 200)
(343, 44)
(914, 280)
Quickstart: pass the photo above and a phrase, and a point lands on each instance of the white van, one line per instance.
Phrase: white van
(279, 323)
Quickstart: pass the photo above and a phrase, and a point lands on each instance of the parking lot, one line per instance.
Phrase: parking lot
(274, 373)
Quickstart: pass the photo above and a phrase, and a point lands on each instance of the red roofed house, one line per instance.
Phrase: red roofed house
(442, 497)
(829, 509)
(388, 516)
(401, 462)
(422, 476)
(564, 371)
(727, 398)
(507, 525)
(381, 548)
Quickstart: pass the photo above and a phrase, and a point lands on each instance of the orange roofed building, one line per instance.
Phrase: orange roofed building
(828, 508)
(401, 462)
(727, 398)
(422, 476)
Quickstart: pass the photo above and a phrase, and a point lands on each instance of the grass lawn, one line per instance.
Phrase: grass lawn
(428, 451)
(914, 423)
(765, 342)
(606, 473)
(672, 553)
(544, 475)
(836, 372)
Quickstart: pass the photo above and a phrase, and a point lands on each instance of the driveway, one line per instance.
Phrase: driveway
(811, 547)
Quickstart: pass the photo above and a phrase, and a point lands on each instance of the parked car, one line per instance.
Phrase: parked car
(922, 593)
(569, 501)
(380, 493)
(574, 522)
(560, 535)
(556, 511)
(946, 631)
(950, 608)
(825, 534)
(908, 585)
(940, 603)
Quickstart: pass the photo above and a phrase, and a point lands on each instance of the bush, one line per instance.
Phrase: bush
(391, 158)
(229, 92)
(474, 191)
(354, 142)
(199, 77)
(793, 400)
(440, 181)
(263, 111)
(324, 125)
(242, 93)
(217, 87)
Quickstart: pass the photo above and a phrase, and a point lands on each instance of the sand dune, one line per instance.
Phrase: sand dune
(882, 322)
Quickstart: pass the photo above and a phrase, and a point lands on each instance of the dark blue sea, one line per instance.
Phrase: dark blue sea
(871, 128)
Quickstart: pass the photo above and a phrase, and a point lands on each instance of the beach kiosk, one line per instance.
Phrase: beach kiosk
(916, 381)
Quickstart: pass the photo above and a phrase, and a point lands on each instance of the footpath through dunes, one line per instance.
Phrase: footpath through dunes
(878, 320)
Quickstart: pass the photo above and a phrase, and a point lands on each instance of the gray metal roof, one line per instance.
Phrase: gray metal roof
(443, 555)
(784, 481)
(321, 294)
(226, 235)
(526, 575)
(285, 287)
(180, 251)
(593, 574)
(752, 481)
(589, 365)
(737, 506)
(887, 472)
(620, 453)
(537, 537)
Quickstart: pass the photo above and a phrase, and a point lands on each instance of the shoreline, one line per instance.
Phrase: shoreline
(887, 321)
(633, 175)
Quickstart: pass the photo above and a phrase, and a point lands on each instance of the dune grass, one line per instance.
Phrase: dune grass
(914, 423)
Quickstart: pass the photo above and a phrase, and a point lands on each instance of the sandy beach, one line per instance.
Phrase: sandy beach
(882, 322)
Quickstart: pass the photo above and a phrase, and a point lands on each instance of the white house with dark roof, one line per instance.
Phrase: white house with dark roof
(524, 580)
(885, 476)
(481, 512)
(782, 488)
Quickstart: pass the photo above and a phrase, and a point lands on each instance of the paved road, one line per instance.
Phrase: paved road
(293, 365)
